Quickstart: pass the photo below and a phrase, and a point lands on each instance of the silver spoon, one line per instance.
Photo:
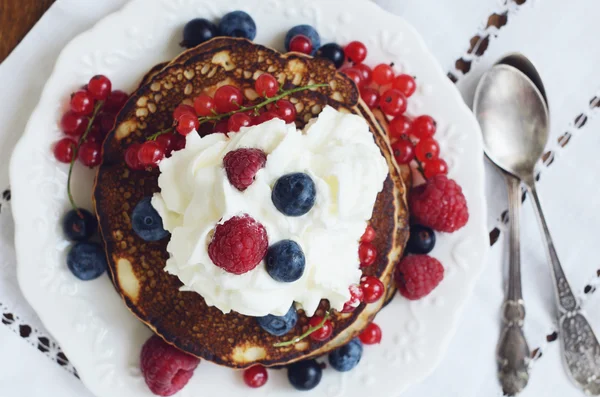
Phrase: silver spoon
(515, 122)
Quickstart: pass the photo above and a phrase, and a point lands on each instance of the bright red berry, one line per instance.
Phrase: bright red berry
(90, 154)
(99, 87)
(427, 149)
(115, 101)
(373, 289)
(399, 127)
(404, 151)
(238, 245)
(166, 141)
(187, 123)
(406, 84)
(182, 109)
(383, 74)
(204, 105)
(417, 275)
(256, 376)
(323, 333)
(356, 52)
(393, 102)
(356, 297)
(228, 98)
(366, 73)
(354, 75)
(370, 96)
(367, 254)
(241, 166)
(73, 124)
(439, 204)
(166, 369)
(222, 126)
(423, 127)
(369, 235)
(266, 85)
(82, 103)
(435, 167)
(131, 157)
(237, 121)
(302, 44)
(150, 153)
(371, 335)
(284, 109)
(64, 150)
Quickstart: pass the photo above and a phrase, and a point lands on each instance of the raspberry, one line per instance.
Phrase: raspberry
(418, 275)
(242, 165)
(439, 204)
(238, 245)
(165, 368)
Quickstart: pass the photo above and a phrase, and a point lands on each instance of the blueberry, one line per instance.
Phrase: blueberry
(79, 225)
(334, 52)
(421, 240)
(305, 30)
(146, 222)
(294, 194)
(87, 261)
(305, 375)
(197, 31)
(345, 358)
(238, 24)
(285, 261)
(279, 325)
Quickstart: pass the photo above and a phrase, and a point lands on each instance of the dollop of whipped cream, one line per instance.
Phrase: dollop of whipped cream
(336, 150)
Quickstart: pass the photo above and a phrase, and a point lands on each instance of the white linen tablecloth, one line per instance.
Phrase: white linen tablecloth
(467, 36)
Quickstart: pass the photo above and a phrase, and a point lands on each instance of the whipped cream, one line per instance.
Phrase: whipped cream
(340, 155)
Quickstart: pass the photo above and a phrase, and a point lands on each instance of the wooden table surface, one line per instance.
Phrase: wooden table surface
(17, 17)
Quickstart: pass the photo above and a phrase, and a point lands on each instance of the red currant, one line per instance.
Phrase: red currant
(228, 98)
(178, 142)
(264, 117)
(423, 127)
(367, 254)
(115, 102)
(131, 157)
(373, 289)
(383, 74)
(237, 121)
(150, 154)
(393, 102)
(356, 297)
(322, 333)
(354, 75)
(404, 151)
(371, 335)
(427, 149)
(406, 84)
(82, 103)
(106, 121)
(183, 109)
(73, 124)
(399, 127)
(166, 141)
(356, 52)
(99, 87)
(256, 376)
(96, 134)
(302, 44)
(369, 235)
(64, 150)
(222, 126)
(266, 86)
(284, 109)
(370, 96)
(90, 154)
(204, 105)
(366, 72)
(435, 167)
(187, 123)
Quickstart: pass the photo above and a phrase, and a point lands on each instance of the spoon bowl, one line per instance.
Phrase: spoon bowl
(523, 64)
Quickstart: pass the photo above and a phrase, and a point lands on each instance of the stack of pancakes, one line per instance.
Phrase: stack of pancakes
(137, 267)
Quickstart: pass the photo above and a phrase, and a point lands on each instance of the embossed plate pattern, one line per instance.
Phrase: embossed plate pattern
(100, 337)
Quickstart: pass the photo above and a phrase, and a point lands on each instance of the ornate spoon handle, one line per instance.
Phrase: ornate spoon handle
(512, 351)
(580, 348)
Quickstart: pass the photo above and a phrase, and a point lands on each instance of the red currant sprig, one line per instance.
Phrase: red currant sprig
(313, 328)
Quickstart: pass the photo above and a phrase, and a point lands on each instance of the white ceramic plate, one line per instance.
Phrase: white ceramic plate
(99, 335)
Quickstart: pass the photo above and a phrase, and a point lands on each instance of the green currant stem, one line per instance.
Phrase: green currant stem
(159, 133)
(82, 139)
(304, 335)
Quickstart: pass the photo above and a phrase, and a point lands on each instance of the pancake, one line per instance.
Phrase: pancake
(183, 318)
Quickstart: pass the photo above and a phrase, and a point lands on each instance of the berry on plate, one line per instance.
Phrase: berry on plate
(334, 52)
(370, 96)
(90, 154)
(64, 150)
(404, 151)
(373, 289)
(323, 333)
(87, 261)
(393, 102)
(406, 84)
(146, 222)
(182, 109)
(355, 75)
(371, 335)
(166, 369)
(383, 74)
(356, 298)
(197, 31)
(266, 85)
(423, 127)
(237, 121)
(279, 325)
(79, 225)
(369, 235)
(301, 44)
(285, 261)
(284, 109)
(294, 194)
(73, 124)
(308, 32)
(439, 204)
(434, 167)
(204, 105)
(400, 128)
(241, 165)
(421, 240)
(187, 123)
(305, 375)
(367, 254)
(256, 376)
(82, 103)
(238, 24)
(347, 357)
(417, 275)
(356, 52)
(228, 98)
(131, 157)
(366, 73)
(427, 149)
(99, 87)
(150, 153)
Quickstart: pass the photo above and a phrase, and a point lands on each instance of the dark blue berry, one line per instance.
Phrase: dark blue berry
(238, 24)
(87, 261)
(347, 357)
(146, 222)
(421, 240)
(197, 31)
(334, 52)
(79, 225)
(279, 325)
(285, 261)
(305, 30)
(305, 375)
(294, 194)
